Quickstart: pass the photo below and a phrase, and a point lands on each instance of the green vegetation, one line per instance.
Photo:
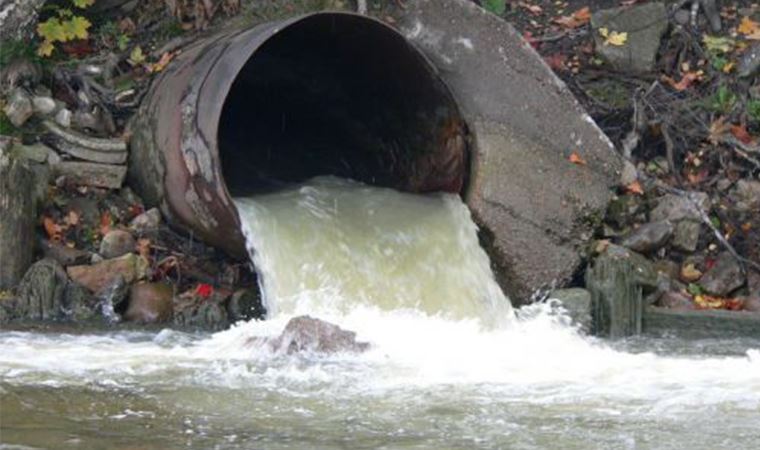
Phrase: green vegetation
(64, 26)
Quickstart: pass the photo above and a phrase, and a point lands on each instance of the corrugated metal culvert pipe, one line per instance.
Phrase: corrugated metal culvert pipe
(245, 111)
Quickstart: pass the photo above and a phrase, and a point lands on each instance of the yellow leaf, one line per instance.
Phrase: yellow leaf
(748, 26)
(136, 57)
(616, 38)
(728, 67)
(46, 48)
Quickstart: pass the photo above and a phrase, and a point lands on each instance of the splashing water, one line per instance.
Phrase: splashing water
(451, 366)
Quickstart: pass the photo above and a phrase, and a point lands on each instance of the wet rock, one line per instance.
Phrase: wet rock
(668, 268)
(19, 107)
(649, 237)
(209, 315)
(146, 222)
(644, 271)
(111, 298)
(40, 294)
(63, 118)
(675, 207)
(39, 153)
(307, 334)
(150, 303)
(79, 304)
(753, 282)
(686, 235)
(100, 275)
(17, 219)
(645, 25)
(66, 256)
(677, 300)
(117, 243)
(245, 304)
(752, 304)
(577, 303)
(724, 277)
(43, 105)
(86, 120)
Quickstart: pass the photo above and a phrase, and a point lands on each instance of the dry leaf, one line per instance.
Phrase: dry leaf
(634, 188)
(718, 128)
(105, 223)
(740, 132)
(689, 273)
(577, 19)
(686, 80)
(749, 28)
(533, 9)
(143, 248)
(161, 64)
(575, 158)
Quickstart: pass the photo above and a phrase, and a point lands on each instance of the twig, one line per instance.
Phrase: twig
(669, 152)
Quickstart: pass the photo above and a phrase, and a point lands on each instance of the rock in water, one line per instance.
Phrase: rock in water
(150, 303)
(307, 334)
(99, 276)
(17, 219)
(577, 302)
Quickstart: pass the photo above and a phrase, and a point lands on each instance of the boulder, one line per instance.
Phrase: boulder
(307, 334)
(677, 207)
(18, 18)
(677, 301)
(43, 105)
(146, 222)
(534, 207)
(150, 303)
(245, 304)
(66, 256)
(79, 304)
(40, 295)
(723, 277)
(644, 25)
(649, 237)
(117, 243)
(101, 275)
(208, 315)
(577, 303)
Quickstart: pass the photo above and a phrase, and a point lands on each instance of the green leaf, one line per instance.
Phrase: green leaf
(497, 7)
(717, 44)
(122, 42)
(82, 3)
(694, 289)
(137, 56)
(77, 27)
(51, 30)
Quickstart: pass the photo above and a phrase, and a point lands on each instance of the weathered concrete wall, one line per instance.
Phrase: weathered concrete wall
(532, 203)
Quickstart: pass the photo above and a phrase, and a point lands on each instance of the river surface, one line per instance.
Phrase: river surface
(450, 366)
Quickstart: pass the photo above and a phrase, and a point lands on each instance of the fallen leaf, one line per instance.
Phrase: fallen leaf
(717, 44)
(575, 158)
(577, 19)
(689, 273)
(105, 223)
(52, 229)
(613, 37)
(204, 290)
(718, 128)
(740, 132)
(137, 56)
(533, 9)
(162, 63)
(686, 80)
(634, 188)
(728, 67)
(748, 27)
(556, 61)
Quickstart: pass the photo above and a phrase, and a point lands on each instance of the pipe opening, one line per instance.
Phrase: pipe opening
(340, 94)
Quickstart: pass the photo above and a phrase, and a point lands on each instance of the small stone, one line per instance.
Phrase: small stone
(752, 304)
(676, 207)
(19, 107)
(689, 273)
(629, 174)
(682, 16)
(724, 277)
(622, 210)
(63, 118)
(677, 300)
(150, 303)
(86, 120)
(43, 105)
(147, 221)
(41, 291)
(749, 63)
(577, 303)
(746, 194)
(39, 153)
(117, 243)
(100, 275)
(638, 53)
(649, 237)
(668, 268)
(686, 236)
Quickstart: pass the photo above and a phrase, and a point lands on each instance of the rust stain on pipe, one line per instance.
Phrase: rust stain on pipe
(420, 139)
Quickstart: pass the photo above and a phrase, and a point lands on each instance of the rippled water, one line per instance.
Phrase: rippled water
(432, 379)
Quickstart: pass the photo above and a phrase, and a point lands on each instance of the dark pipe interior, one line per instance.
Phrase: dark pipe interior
(341, 95)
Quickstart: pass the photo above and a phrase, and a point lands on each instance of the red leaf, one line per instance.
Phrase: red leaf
(575, 158)
(634, 188)
(578, 18)
(204, 290)
(740, 132)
